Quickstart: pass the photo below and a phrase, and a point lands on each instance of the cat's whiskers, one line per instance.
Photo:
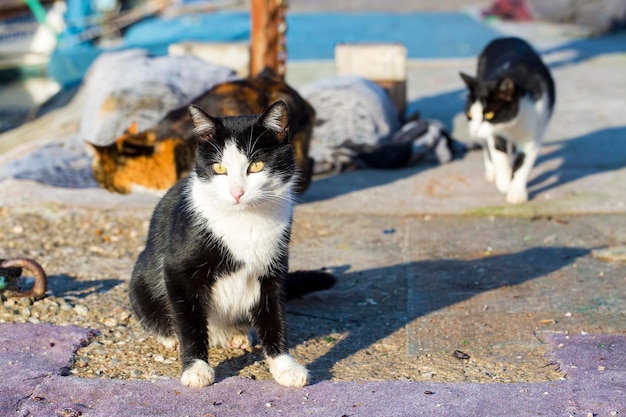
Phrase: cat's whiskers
(272, 196)
(195, 273)
(280, 198)
(219, 153)
(253, 144)
(249, 143)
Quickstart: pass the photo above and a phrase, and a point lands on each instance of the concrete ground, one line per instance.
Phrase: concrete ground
(465, 270)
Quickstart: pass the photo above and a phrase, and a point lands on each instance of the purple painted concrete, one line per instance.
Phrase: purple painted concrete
(32, 354)
(33, 357)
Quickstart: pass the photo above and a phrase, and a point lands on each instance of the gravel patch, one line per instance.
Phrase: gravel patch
(88, 256)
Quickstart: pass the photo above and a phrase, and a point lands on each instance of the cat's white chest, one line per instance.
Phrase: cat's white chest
(252, 239)
(258, 241)
(256, 237)
(234, 295)
(529, 123)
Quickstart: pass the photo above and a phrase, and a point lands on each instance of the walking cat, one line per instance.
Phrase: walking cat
(509, 105)
(215, 261)
(156, 158)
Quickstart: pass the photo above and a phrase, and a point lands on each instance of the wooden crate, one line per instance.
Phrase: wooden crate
(235, 55)
(385, 64)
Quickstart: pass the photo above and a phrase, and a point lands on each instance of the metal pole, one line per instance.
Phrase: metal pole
(268, 36)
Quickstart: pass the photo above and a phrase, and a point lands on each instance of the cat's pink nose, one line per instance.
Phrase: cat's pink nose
(237, 194)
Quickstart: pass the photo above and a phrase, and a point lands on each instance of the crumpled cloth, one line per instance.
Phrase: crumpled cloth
(349, 109)
(357, 126)
(418, 140)
(130, 86)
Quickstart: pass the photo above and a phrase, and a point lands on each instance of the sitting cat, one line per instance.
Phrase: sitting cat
(215, 260)
(156, 158)
(509, 104)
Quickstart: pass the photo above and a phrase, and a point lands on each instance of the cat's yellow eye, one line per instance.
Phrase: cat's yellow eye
(255, 167)
(489, 115)
(219, 168)
(469, 115)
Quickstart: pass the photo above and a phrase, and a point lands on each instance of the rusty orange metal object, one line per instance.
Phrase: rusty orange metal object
(41, 279)
(268, 42)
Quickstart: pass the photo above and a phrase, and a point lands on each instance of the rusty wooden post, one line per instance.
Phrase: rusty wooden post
(268, 36)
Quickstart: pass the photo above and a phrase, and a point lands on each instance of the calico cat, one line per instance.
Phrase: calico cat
(140, 159)
(156, 158)
(215, 261)
(509, 105)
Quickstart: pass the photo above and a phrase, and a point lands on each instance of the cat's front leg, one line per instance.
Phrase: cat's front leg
(517, 192)
(269, 321)
(499, 151)
(190, 320)
(194, 356)
(490, 173)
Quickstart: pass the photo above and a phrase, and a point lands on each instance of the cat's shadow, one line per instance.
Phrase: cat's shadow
(411, 290)
(589, 154)
(581, 50)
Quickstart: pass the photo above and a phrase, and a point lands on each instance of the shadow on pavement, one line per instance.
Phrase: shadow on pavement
(65, 285)
(593, 153)
(443, 107)
(585, 49)
(420, 287)
(358, 180)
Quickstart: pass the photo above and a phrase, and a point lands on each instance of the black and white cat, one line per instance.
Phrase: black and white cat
(509, 105)
(215, 261)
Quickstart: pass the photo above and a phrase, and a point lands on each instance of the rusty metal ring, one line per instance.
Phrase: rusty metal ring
(41, 279)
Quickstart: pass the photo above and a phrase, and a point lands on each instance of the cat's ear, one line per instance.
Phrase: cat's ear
(506, 89)
(204, 125)
(133, 129)
(469, 81)
(276, 119)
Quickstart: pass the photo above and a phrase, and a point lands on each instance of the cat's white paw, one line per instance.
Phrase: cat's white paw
(170, 343)
(490, 174)
(503, 182)
(287, 372)
(200, 374)
(517, 195)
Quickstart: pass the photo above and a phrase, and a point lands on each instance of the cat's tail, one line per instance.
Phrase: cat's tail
(299, 283)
